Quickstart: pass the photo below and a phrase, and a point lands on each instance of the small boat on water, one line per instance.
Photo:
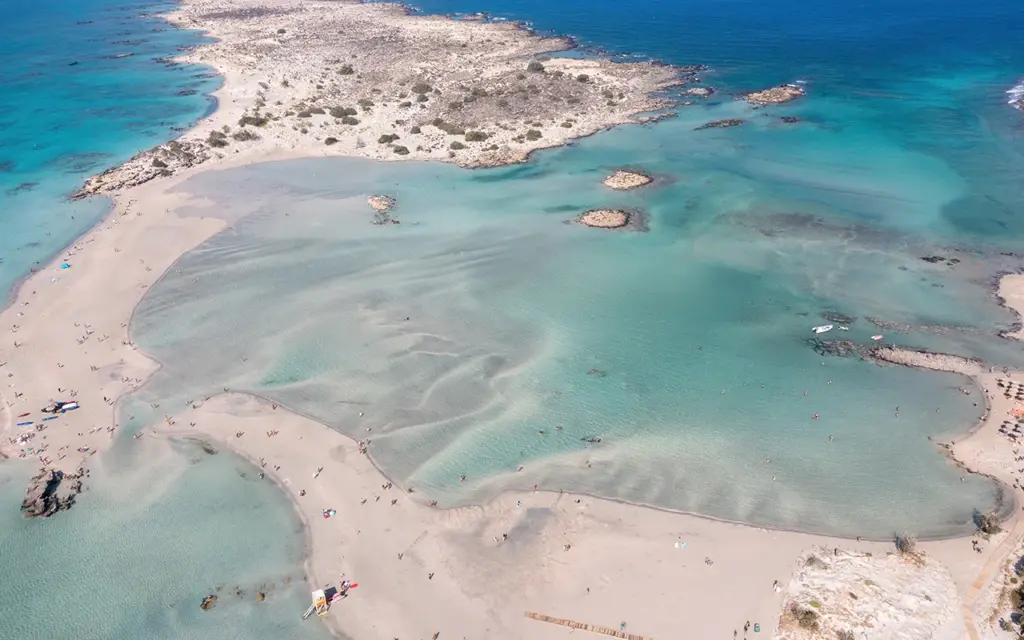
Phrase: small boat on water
(876, 338)
(842, 328)
(822, 328)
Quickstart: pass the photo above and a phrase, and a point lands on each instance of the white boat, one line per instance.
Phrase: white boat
(842, 328)
(822, 328)
(877, 337)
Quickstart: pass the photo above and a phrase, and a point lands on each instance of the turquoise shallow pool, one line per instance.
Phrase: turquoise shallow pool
(484, 319)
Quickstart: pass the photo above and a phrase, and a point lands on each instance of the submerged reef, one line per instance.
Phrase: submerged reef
(721, 124)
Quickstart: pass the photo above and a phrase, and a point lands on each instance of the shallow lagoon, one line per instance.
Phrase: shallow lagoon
(470, 328)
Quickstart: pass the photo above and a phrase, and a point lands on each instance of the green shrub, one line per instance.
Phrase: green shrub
(341, 112)
(535, 67)
(366, 103)
(583, 78)
(305, 114)
(476, 136)
(906, 543)
(159, 164)
(245, 135)
(318, 111)
(806, 618)
(402, 151)
(422, 98)
(533, 134)
(456, 146)
(349, 120)
(387, 138)
(217, 139)
(330, 141)
(346, 70)
(421, 88)
(415, 129)
(404, 105)
(256, 121)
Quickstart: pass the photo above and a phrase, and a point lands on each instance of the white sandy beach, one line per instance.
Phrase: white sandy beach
(422, 570)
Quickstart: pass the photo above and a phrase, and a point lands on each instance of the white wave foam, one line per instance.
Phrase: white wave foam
(1017, 96)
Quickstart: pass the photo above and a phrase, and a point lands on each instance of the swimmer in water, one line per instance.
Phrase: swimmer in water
(830, 438)
(815, 416)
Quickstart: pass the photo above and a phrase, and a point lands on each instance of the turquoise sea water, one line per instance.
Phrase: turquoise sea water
(906, 148)
(157, 529)
(70, 109)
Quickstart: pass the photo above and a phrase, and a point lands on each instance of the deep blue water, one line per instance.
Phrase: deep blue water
(931, 76)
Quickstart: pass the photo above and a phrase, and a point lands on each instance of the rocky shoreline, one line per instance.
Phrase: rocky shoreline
(372, 80)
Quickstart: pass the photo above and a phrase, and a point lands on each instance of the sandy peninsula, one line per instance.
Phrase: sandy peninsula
(533, 565)
(340, 77)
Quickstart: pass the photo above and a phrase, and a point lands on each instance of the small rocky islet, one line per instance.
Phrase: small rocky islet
(775, 95)
(721, 124)
(624, 180)
(614, 219)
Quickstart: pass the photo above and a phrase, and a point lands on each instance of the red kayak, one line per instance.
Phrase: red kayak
(25, 414)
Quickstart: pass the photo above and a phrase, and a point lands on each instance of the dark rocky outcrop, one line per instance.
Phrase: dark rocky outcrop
(208, 602)
(721, 124)
(51, 491)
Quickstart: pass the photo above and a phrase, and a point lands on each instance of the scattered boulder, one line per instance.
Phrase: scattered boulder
(208, 602)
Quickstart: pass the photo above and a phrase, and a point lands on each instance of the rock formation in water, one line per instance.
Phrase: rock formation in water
(700, 92)
(721, 124)
(622, 180)
(775, 95)
(49, 492)
(208, 602)
(612, 219)
(382, 209)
